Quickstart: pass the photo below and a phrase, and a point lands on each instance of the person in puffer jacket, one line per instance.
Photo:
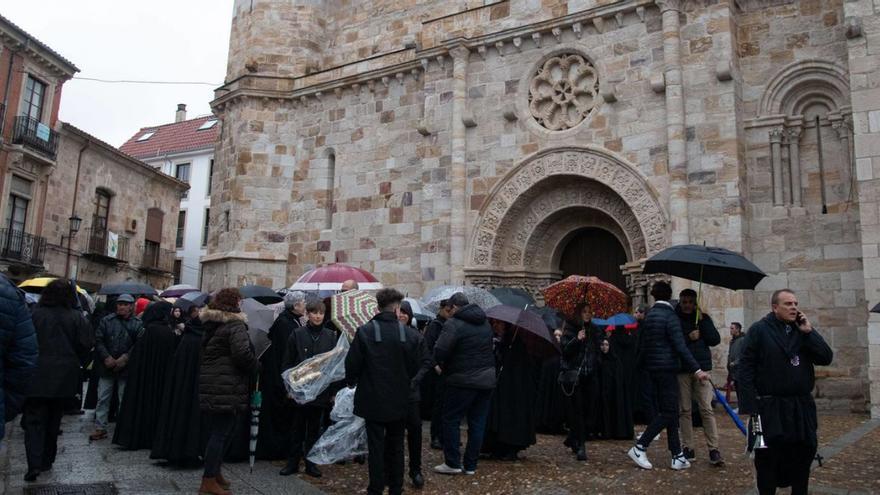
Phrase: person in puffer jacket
(663, 354)
(18, 351)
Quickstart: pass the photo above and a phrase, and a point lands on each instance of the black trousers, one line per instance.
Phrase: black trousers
(437, 409)
(580, 407)
(414, 438)
(41, 421)
(665, 387)
(786, 465)
(307, 421)
(385, 445)
(222, 425)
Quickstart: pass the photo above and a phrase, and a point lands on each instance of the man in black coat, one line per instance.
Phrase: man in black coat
(432, 333)
(699, 335)
(383, 363)
(464, 352)
(304, 343)
(662, 352)
(776, 375)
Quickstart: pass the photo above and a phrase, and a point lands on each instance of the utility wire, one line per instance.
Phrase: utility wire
(131, 81)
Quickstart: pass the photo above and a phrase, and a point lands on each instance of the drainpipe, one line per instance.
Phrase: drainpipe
(73, 205)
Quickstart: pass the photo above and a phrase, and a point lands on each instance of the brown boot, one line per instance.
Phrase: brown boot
(222, 481)
(98, 435)
(211, 487)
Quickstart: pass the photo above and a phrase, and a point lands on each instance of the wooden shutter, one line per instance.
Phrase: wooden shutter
(154, 225)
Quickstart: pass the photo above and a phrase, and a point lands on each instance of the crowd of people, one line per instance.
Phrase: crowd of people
(179, 382)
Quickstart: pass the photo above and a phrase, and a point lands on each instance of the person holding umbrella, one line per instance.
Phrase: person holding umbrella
(114, 339)
(700, 335)
(663, 349)
(776, 376)
(227, 364)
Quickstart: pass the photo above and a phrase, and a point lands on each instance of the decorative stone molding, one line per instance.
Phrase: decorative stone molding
(853, 27)
(787, 91)
(608, 92)
(495, 240)
(724, 70)
(658, 83)
(666, 5)
(563, 91)
(509, 112)
(467, 118)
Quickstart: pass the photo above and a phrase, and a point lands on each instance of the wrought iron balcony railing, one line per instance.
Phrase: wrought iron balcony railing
(35, 135)
(101, 244)
(156, 258)
(15, 245)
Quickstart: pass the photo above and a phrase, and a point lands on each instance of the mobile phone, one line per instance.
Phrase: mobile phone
(800, 318)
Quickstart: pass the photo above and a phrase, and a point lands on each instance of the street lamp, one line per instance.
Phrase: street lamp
(75, 223)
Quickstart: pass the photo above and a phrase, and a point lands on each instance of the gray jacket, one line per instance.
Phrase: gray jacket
(734, 352)
(115, 337)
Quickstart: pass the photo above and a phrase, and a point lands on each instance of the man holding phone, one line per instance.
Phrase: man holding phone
(775, 379)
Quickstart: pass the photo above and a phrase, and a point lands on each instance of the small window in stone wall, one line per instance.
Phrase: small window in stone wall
(563, 91)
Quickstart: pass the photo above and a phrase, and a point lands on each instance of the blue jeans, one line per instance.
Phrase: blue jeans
(457, 403)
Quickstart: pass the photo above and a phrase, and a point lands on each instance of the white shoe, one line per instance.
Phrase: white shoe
(640, 457)
(469, 473)
(679, 462)
(444, 469)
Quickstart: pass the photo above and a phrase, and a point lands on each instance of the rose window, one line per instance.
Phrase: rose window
(563, 91)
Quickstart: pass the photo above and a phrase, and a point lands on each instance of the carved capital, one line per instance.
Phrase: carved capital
(794, 133)
(776, 135)
(666, 5)
(460, 52)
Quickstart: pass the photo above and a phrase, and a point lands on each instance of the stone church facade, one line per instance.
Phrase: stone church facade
(513, 142)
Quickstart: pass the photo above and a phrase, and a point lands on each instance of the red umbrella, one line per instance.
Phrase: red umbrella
(605, 299)
(330, 277)
(529, 326)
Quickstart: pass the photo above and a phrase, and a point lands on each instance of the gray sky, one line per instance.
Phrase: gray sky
(158, 40)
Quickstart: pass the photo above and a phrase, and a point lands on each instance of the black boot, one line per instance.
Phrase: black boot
(312, 470)
(292, 467)
(418, 480)
(582, 453)
(31, 475)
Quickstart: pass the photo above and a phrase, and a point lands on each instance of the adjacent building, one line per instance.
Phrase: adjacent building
(512, 142)
(72, 204)
(184, 149)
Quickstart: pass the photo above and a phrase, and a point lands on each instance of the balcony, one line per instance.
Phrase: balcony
(19, 247)
(157, 259)
(35, 135)
(99, 247)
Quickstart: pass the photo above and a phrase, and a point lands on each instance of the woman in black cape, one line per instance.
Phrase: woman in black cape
(511, 424)
(549, 405)
(150, 361)
(179, 435)
(615, 416)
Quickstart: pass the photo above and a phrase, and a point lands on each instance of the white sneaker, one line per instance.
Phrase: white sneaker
(444, 469)
(469, 473)
(640, 457)
(679, 462)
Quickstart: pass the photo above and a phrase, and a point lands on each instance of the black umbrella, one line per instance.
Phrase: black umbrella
(549, 315)
(513, 296)
(131, 288)
(876, 308)
(262, 294)
(534, 332)
(712, 265)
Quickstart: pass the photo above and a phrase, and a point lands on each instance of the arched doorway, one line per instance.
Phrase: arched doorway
(594, 251)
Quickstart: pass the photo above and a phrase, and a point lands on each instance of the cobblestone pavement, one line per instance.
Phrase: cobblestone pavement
(851, 444)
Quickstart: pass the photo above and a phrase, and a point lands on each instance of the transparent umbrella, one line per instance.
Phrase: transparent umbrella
(476, 295)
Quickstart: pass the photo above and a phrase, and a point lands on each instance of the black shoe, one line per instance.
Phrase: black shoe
(312, 470)
(418, 480)
(436, 445)
(31, 475)
(360, 459)
(715, 458)
(291, 468)
(582, 453)
(45, 467)
(689, 454)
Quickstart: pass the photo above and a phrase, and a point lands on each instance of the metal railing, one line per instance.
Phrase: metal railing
(100, 244)
(17, 246)
(156, 258)
(35, 135)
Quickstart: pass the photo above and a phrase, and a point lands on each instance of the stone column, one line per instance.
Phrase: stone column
(776, 159)
(458, 177)
(675, 132)
(794, 163)
(843, 131)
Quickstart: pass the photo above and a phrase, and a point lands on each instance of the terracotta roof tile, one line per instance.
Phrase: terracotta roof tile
(176, 137)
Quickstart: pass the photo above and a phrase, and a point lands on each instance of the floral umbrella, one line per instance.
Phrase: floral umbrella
(605, 299)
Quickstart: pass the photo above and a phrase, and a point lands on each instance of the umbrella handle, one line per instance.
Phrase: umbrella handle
(699, 296)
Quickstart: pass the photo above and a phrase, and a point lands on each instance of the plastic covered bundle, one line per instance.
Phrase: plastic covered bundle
(308, 379)
(346, 438)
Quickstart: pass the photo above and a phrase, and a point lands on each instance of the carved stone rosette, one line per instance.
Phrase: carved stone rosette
(563, 91)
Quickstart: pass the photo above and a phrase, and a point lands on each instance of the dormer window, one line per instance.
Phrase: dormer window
(208, 124)
(146, 135)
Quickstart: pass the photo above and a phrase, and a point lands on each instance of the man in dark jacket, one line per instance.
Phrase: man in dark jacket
(18, 351)
(432, 333)
(662, 352)
(383, 362)
(116, 335)
(776, 376)
(464, 352)
(304, 343)
(734, 352)
(699, 337)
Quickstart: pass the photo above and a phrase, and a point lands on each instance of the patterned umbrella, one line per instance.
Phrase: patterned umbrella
(351, 309)
(332, 276)
(605, 299)
(476, 295)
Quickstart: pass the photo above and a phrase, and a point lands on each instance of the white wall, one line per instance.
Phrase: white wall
(194, 205)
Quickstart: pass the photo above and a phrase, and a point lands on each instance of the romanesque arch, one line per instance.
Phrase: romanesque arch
(527, 217)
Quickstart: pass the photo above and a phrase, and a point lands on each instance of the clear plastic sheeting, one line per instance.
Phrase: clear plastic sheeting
(307, 380)
(346, 438)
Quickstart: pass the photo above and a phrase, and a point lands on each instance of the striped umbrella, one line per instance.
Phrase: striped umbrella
(351, 309)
